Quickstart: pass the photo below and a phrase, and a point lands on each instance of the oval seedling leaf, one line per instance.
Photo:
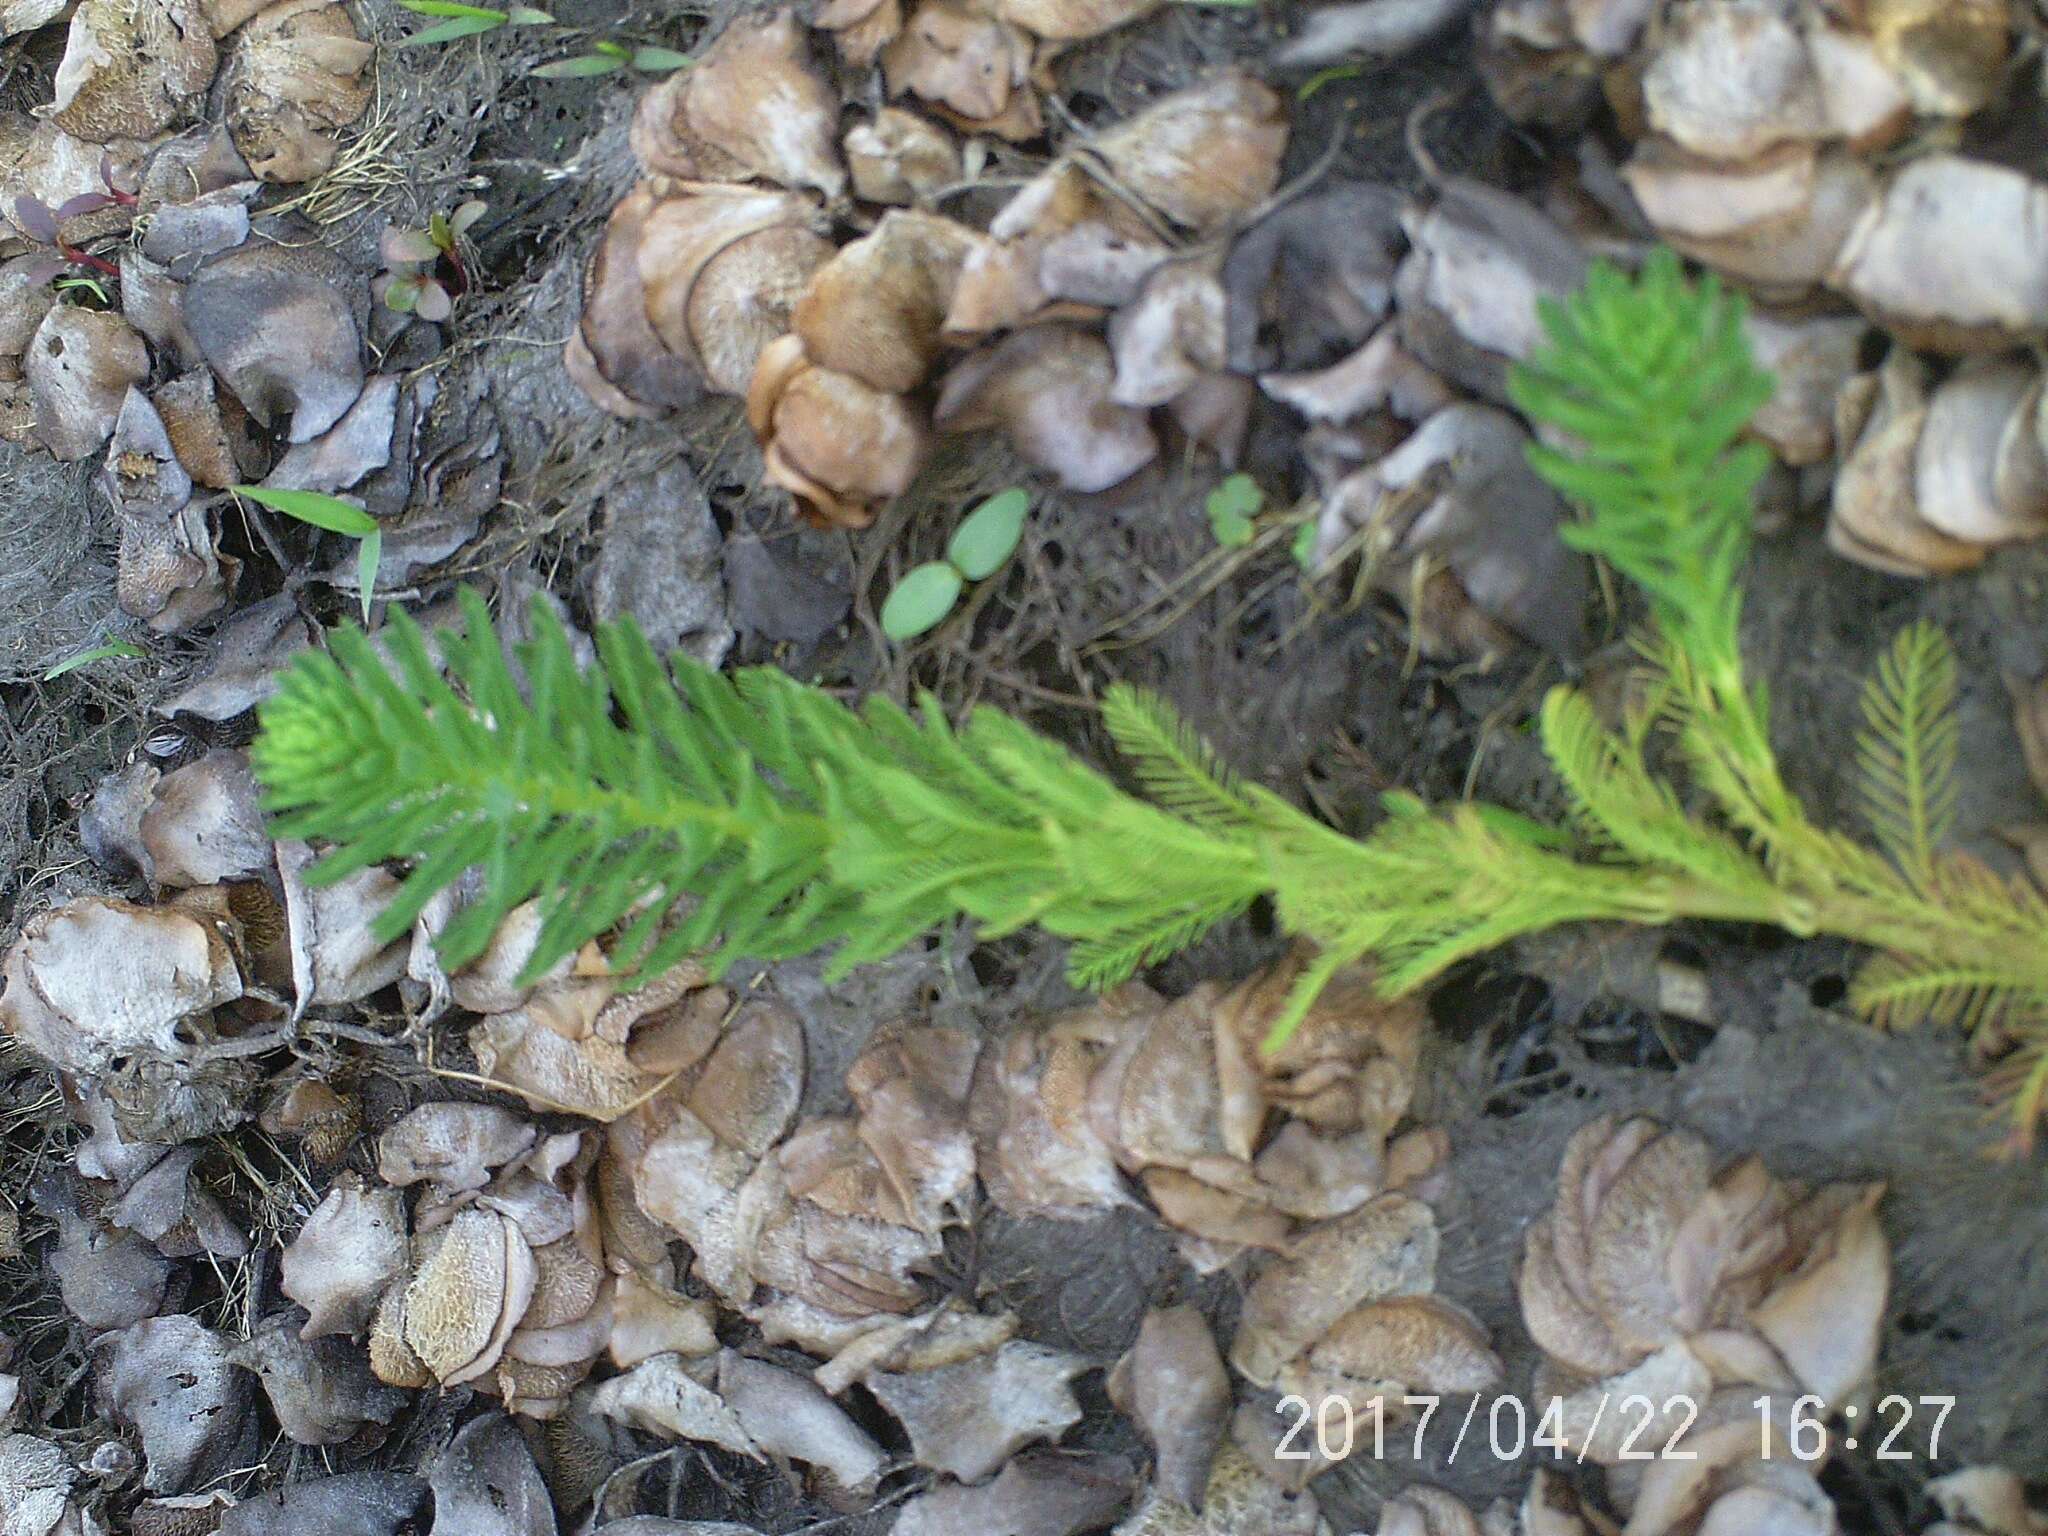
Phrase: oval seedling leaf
(583, 67)
(1304, 545)
(400, 292)
(315, 507)
(434, 302)
(658, 61)
(408, 245)
(921, 599)
(988, 535)
(33, 218)
(467, 214)
(85, 202)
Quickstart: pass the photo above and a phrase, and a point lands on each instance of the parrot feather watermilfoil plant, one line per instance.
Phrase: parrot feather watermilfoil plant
(685, 811)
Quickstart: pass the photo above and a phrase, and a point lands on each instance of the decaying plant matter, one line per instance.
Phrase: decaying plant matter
(798, 823)
(718, 271)
(1654, 1274)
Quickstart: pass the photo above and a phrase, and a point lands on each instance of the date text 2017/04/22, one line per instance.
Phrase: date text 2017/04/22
(1798, 1428)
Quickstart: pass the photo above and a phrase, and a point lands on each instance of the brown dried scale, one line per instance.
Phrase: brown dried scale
(1652, 1268)
(1933, 477)
(297, 76)
(841, 448)
(101, 977)
(720, 269)
(346, 1256)
(1464, 534)
(900, 158)
(1048, 389)
(753, 106)
(1174, 1385)
(131, 69)
(967, 1420)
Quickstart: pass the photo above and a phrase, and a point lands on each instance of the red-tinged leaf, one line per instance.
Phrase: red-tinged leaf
(33, 218)
(434, 303)
(122, 179)
(408, 247)
(85, 202)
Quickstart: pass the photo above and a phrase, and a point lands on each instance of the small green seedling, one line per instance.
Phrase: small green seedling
(336, 516)
(105, 652)
(1304, 546)
(984, 540)
(460, 21)
(78, 289)
(1330, 76)
(424, 271)
(1232, 506)
(608, 58)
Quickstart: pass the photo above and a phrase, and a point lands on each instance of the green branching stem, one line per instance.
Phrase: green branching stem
(680, 811)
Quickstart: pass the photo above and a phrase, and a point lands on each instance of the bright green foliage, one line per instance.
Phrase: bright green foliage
(1906, 754)
(989, 534)
(313, 507)
(984, 541)
(1231, 508)
(687, 810)
(467, 20)
(1655, 381)
(921, 600)
(790, 821)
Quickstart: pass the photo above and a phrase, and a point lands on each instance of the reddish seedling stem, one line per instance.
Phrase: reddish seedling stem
(76, 257)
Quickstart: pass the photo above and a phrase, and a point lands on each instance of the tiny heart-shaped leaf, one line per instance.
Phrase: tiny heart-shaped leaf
(988, 535)
(1231, 507)
(1239, 494)
(315, 507)
(921, 599)
(400, 291)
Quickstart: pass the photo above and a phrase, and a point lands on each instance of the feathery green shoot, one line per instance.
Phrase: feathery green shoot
(682, 811)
